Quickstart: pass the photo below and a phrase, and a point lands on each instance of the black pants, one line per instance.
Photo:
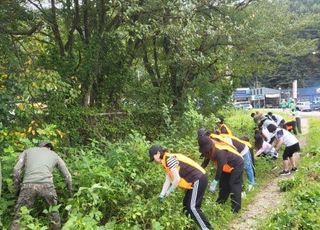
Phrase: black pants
(298, 122)
(192, 202)
(231, 183)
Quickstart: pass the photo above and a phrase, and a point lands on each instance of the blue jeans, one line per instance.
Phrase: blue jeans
(248, 167)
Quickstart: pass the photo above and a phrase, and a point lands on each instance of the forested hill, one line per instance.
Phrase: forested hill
(121, 55)
(305, 68)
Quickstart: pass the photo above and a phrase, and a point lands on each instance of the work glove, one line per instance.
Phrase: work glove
(213, 185)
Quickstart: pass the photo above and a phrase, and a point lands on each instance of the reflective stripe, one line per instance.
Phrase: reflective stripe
(224, 145)
(226, 127)
(237, 139)
(193, 205)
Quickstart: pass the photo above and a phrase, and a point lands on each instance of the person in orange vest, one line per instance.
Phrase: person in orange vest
(242, 147)
(229, 169)
(183, 172)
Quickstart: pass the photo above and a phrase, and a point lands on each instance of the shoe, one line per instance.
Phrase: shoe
(285, 173)
(294, 169)
(250, 187)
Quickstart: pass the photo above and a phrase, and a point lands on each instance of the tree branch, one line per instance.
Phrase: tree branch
(21, 32)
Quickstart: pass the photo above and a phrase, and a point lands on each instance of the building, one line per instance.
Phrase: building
(260, 97)
(311, 94)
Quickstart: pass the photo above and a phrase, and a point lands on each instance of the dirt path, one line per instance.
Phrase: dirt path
(266, 201)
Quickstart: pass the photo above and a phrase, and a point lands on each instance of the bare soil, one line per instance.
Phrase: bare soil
(267, 200)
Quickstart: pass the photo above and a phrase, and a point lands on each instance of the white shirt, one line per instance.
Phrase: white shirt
(278, 118)
(288, 138)
(267, 122)
(267, 134)
(266, 147)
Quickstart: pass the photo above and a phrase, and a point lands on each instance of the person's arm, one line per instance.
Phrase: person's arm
(173, 164)
(278, 144)
(279, 139)
(165, 186)
(221, 161)
(17, 170)
(205, 162)
(262, 149)
(65, 173)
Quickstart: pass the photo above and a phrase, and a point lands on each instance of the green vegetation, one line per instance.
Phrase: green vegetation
(115, 185)
(104, 79)
(302, 201)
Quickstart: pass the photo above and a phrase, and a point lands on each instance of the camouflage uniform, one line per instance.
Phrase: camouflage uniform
(38, 181)
(27, 197)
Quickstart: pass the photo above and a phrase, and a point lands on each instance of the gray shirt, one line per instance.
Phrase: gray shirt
(39, 162)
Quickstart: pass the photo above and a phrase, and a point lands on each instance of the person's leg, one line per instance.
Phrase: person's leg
(186, 201)
(285, 165)
(294, 127)
(249, 168)
(285, 161)
(293, 149)
(236, 188)
(224, 188)
(194, 204)
(298, 122)
(26, 198)
(48, 192)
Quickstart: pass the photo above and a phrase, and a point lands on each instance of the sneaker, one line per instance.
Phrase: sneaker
(285, 173)
(294, 169)
(250, 187)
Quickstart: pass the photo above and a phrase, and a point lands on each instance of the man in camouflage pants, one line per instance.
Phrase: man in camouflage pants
(39, 163)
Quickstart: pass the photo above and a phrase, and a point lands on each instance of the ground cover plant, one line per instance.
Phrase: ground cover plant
(115, 185)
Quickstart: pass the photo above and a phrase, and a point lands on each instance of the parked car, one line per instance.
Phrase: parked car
(304, 106)
(315, 106)
(243, 105)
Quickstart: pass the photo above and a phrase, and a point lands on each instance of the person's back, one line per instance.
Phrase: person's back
(39, 164)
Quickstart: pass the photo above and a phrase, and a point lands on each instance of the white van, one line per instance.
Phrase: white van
(304, 105)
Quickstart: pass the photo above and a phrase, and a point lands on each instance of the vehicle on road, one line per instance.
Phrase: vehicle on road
(243, 105)
(304, 106)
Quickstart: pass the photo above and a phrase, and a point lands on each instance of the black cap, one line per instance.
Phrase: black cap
(205, 144)
(154, 150)
(46, 144)
(271, 128)
(202, 132)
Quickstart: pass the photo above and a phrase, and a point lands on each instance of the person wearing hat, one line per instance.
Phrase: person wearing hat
(283, 136)
(38, 164)
(183, 172)
(229, 170)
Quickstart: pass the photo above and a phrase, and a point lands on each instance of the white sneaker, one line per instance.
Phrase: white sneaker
(250, 187)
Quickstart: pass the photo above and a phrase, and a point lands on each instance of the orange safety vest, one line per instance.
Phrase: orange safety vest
(237, 139)
(181, 158)
(224, 145)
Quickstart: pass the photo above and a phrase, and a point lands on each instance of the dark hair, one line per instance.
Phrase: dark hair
(252, 115)
(271, 128)
(270, 113)
(258, 141)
